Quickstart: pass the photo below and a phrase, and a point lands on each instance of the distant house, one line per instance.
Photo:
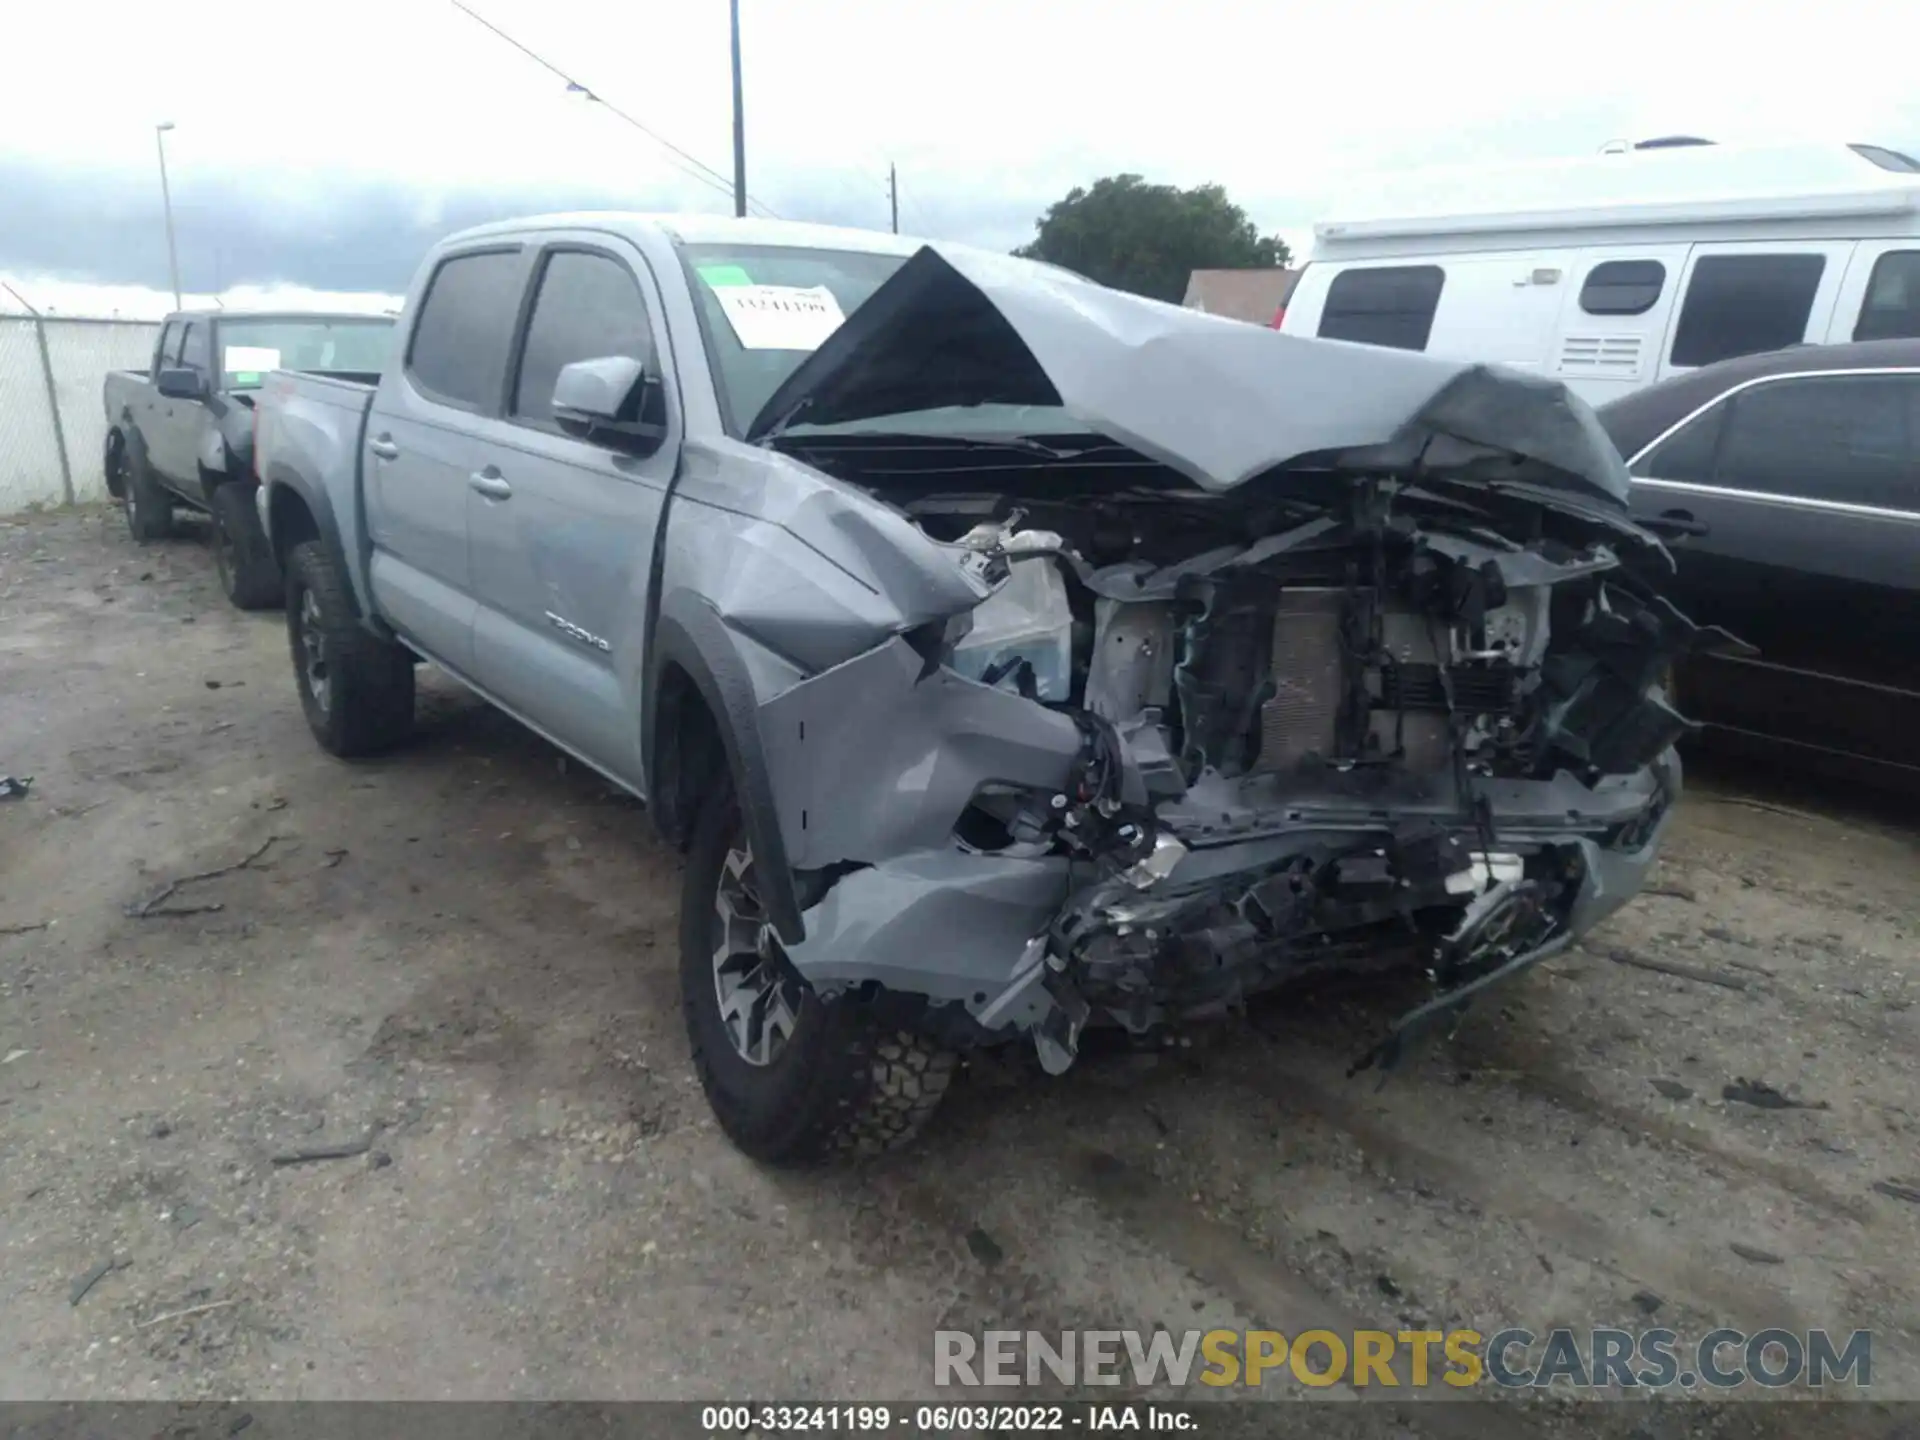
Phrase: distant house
(1253, 295)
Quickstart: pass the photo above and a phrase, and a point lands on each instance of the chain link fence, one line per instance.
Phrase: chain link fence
(52, 418)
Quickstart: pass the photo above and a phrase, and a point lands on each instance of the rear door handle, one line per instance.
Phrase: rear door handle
(1681, 522)
(490, 484)
(383, 446)
(1673, 524)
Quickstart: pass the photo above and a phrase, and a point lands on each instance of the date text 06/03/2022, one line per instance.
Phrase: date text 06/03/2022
(962, 1419)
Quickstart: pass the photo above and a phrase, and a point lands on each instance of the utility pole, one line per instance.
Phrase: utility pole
(166, 202)
(739, 124)
(893, 195)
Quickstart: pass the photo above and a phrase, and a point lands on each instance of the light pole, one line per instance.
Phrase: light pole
(739, 124)
(166, 202)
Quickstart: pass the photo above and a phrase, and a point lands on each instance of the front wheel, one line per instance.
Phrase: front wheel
(792, 1079)
(248, 573)
(355, 688)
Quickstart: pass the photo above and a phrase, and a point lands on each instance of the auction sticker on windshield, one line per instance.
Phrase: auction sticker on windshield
(251, 359)
(780, 317)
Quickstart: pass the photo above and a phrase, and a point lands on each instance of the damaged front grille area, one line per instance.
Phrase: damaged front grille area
(1350, 745)
(1474, 689)
(1359, 674)
(1426, 898)
(1303, 717)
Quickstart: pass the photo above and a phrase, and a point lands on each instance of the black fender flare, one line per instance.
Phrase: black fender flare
(286, 478)
(689, 633)
(132, 440)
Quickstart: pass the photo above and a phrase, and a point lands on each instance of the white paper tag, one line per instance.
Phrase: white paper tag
(250, 359)
(780, 317)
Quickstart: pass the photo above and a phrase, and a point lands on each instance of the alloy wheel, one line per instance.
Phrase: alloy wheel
(758, 993)
(313, 649)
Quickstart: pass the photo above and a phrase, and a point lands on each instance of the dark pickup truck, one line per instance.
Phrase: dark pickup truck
(180, 432)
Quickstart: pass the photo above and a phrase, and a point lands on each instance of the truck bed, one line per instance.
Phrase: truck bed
(344, 379)
(312, 418)
(308, 424)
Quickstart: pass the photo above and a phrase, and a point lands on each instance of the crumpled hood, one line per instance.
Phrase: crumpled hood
(1219, 401)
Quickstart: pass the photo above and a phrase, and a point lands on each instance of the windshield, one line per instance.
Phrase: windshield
(250, 348)
(765, 308)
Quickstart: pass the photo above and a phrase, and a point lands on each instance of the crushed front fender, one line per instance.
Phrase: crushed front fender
(877, 757)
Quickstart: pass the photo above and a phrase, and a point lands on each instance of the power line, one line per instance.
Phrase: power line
(706, 175)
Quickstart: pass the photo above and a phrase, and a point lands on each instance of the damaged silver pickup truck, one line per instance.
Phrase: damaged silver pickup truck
(1012, 656)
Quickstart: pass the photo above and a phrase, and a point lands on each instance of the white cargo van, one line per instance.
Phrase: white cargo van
(1615, 270)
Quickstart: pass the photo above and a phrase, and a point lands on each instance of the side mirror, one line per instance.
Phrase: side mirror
(614, 400)
(181, 384)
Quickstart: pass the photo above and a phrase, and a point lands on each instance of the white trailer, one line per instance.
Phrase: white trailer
(1615, 270)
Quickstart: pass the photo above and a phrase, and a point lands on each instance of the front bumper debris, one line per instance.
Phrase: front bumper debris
(988, 940)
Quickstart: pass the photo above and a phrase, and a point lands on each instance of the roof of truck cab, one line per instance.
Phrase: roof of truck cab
(1666, 186)
(216, 313)
(697, 229)
(1637, 419)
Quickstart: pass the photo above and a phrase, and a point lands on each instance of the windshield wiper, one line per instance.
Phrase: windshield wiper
(916, 440)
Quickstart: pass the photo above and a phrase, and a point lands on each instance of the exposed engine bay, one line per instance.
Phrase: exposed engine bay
(1307, 741)
(1162, 660)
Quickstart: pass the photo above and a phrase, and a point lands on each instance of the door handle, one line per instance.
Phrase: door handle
(383, 446)
(489, 483)
(1674, 525)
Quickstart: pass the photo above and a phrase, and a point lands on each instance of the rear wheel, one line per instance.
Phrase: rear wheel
(355, 689)
(114, 463)
(792, 1078)
(148, 507)
(248, 572)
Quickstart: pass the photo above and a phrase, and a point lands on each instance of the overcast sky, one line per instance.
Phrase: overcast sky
(326, 143)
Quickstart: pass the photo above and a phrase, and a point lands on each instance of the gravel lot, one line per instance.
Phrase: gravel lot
(463, 954)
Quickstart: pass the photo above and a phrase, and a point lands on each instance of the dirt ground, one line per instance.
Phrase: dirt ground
(465, 954)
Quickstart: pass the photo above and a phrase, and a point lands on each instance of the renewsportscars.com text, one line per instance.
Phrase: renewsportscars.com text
(1655, 1359)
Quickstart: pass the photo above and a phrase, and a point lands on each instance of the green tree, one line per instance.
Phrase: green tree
(1147, 239)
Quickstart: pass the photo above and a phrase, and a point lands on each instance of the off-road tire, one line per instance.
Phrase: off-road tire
(248, 572)
(113, 463)
(148, 507)
(368, 705)
(852, 1081)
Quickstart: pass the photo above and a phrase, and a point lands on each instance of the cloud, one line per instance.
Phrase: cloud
(348, 233)
(333, 154)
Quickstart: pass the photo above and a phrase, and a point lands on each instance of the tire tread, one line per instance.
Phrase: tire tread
(865, 1082)
(373, 681)
(148, 506)
(256, 582)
